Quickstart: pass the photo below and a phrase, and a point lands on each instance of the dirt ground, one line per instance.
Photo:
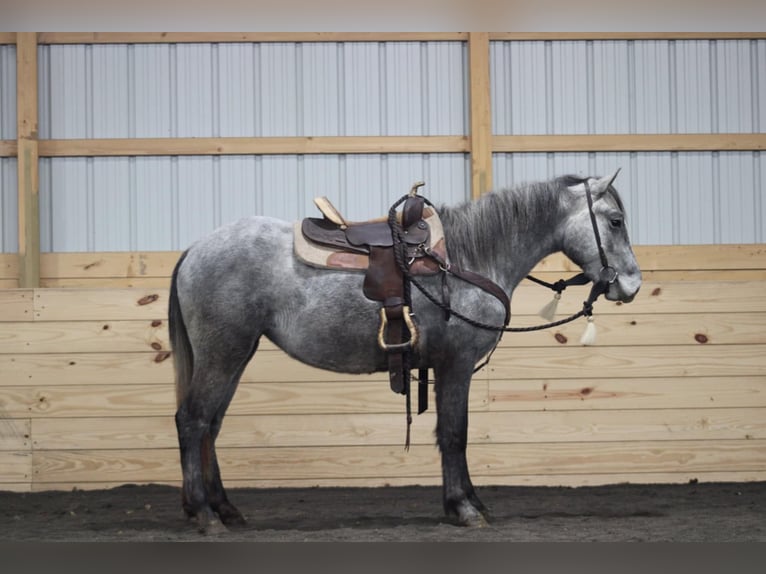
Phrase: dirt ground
(714, 512)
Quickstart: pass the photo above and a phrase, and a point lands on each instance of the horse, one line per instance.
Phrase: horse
(243, 282)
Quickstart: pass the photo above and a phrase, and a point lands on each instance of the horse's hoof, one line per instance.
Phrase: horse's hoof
(469, 516)
(234, 519)
(230, 516)
(475, 522)
(212, 528)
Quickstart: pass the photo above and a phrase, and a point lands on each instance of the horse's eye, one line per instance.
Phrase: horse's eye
(616, 223)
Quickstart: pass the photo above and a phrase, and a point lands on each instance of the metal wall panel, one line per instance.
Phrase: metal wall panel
(672, 198)
(9, 240)
(166, 203)
(239, 90)
(646, 86)
(641, 86)
(252, 90)
(7, 92)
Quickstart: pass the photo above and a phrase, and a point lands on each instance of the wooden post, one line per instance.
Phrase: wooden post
(27, 159)
(481, 113)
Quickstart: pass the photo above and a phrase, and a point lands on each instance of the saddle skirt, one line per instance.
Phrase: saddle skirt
(350, 257)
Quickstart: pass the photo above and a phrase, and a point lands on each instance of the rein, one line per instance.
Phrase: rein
(607, 276)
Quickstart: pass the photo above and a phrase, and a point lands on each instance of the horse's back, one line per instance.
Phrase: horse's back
(248, 243)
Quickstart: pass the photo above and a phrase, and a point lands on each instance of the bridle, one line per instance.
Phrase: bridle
(607, 276)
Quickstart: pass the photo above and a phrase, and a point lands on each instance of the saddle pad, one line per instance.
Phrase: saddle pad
(330, 258)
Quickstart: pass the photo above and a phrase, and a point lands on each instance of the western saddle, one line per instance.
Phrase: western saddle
(383, 253)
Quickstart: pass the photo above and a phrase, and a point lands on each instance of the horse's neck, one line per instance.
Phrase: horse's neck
(496, 239)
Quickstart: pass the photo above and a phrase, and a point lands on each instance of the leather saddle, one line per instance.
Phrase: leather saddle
(332, 242)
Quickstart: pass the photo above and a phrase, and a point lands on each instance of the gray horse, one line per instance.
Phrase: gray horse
(243, 282)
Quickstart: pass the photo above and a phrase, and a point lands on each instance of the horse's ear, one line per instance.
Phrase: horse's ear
(603, 183)
(599, 186)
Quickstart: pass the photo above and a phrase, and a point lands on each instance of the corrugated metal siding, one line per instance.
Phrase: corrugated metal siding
(663, 86)
(239, 90)
(671, 197)
(252, 90)
(165, 203)
(642, 86)
(9, 241)
(7, 92)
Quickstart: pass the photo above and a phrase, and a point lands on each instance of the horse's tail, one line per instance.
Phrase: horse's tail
(183, 357)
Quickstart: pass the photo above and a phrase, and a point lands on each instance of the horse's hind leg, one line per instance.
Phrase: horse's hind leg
(211, 472)
(198, 421)
(452, 388)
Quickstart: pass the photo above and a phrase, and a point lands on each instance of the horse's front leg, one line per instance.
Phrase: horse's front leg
(459, 497)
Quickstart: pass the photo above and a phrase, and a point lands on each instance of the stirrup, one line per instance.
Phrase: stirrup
(397, 347)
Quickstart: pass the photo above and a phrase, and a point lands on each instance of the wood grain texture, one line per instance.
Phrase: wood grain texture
(83, 336)
(421, 461)
(674, 390)
(642, 329)
(16, 305)
(480, 113)
(613, 330)
(654, 297)
(159, 282)
(526, 36)
(221, 37)
(629, 142)
(613, 362)
(16, 468)
(251, 146)
(9, 266)
(678, 262)
(286, 399)
(108, 264)
(566, 480)
(507, 363)
(8, 148)
(15, 433)
(100, 304)
(591, 395)
(27, 162)
(360, 429)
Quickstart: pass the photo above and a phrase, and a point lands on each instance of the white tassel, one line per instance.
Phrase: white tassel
(589, 336)
(549, 311)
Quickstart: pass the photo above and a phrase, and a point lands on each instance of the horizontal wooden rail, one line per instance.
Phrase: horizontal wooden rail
(227, 37)
(8, 148)
(254, 145)
(674, 390)
(553, 36)
(691, 259)
(111, 147)
(629, 142)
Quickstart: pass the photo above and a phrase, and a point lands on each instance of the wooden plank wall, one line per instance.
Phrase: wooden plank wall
(674, 390)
